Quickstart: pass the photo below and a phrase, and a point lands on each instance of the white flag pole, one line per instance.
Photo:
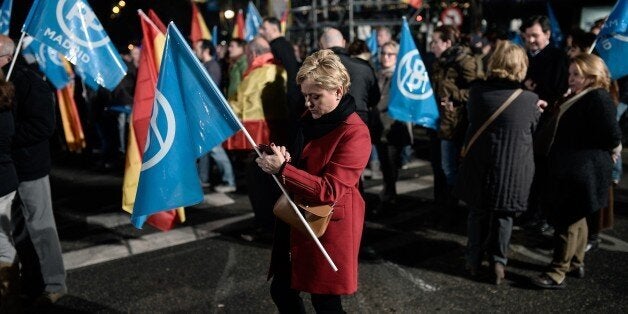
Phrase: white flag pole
(17, 51)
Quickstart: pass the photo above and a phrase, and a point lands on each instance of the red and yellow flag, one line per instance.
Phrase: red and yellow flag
(72, 127)
(199, 29)
(147, 73)
(238, 26)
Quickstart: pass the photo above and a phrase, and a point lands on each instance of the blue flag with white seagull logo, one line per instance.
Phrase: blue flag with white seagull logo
(190, 116)
(5, 17)
(612, 41)
(49, 62)
(72, 28)
(253, 22)
(411, 94)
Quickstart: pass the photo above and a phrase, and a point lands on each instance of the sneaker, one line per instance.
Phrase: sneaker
(592, 245)
(223, 188)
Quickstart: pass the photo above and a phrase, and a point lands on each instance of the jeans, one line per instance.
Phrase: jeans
(490, 231)
(223, 163)
(450, 151)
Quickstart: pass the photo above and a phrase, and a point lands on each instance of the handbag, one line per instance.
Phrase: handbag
(317, 217)
(513, 96)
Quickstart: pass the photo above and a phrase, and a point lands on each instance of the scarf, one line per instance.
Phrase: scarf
(310, 129)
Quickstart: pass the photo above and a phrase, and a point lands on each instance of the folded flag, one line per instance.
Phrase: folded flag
(612, 41)
(5, 17)
(253, 22)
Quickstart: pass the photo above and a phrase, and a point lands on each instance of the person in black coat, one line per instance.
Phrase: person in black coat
(585, 143)
(496, 173)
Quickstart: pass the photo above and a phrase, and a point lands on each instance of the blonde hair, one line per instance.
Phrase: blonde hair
(592, 67)
(509, 61)
(393, 45)
(325, 69)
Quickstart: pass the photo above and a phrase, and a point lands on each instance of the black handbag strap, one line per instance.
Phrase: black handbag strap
(495, 114)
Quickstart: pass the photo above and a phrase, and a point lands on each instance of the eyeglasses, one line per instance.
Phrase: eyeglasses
(388, 54)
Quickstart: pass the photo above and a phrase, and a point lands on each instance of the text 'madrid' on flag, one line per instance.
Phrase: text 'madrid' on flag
(72, 28)
(612, 41)
(411, 95)
(253, 22)
(190, 116)
(48, 60)
(5, 17)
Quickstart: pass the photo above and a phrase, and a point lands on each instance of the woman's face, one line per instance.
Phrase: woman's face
(577, 81)
(318, 100)
(388, 57)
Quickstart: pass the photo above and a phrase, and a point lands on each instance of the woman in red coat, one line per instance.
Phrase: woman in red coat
(331, 151)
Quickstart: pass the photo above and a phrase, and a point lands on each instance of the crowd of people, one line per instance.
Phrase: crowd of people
(510, 145)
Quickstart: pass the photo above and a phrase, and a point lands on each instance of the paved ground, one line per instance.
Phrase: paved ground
(412, 257)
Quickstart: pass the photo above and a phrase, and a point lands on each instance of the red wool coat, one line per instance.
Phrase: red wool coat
(333, 165)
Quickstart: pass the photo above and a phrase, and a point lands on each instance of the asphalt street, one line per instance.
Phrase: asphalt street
(411, 260)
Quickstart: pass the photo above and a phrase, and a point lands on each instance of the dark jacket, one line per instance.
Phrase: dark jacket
(452, 75)
(284, 54)
(579, 161)
(549, 71)
(34, 113)
(123, 94)
(8, 181)
(497, 171)
(364, 88)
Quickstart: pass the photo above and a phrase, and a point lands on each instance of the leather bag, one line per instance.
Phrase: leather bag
(317, 216)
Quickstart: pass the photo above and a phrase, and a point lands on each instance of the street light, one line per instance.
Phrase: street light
(229, 14)
(115, 10)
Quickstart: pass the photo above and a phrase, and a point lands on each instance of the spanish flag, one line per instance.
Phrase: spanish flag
(238, 27)
(199, 29)
(147, 73)
(72, 128)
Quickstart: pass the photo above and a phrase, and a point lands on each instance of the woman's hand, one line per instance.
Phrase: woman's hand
(271, 164)
(541, 104)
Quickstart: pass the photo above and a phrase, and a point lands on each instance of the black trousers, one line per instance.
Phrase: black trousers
(289, 300)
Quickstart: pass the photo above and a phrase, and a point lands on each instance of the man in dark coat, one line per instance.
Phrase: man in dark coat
(364, 88)
(34, 225)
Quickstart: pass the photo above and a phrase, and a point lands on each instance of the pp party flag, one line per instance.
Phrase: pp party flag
(72, 28)
(411, 95)
(49, 62)
(215, 35)
(86, 79)
(152, 47)
(515, 38)
(190, 116)
(253, 22)
(199, 29)
(612, 41)
(371, 42)
(238, 27)
(5, 17)
(557, 34)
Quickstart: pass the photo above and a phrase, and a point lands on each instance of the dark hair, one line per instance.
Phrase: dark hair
(274, 21)
(239, 41)
(582, 40)
(448, 33)
(357, 47)
(6, 93)
(207, 44)
(542, 20)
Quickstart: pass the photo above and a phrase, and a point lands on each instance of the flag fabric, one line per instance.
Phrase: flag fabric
(215, 35)
(515, 38)
(72, 28)
(557, 34)
(72, 127)
(49, 62)
(284, 21)
(371, 42)
(5, 17)
(238, 26)
(417, 4)
(612, 41)
(199, 29)
(152, 47)
(157, 21)
(411, 94)
(253, 22)
(190, 116)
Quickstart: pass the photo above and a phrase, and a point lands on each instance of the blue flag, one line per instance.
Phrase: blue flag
(557, 35)
(5, 17)
(49, 62)
(190, 116)
(72, 28)
(215, 35)
(515, 38)
(371, 42)
(411, 95)
(252, 23)
(612, 41)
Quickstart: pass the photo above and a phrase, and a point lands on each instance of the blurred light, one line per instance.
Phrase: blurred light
(419, 18)
(130, 46)
(122, 3)
(229, 14)
(115, 10)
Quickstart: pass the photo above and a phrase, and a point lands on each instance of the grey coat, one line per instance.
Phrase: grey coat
(497, 171)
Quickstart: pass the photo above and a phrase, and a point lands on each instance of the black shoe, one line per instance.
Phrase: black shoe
(592, 245)
(577, 272)
(544, 281)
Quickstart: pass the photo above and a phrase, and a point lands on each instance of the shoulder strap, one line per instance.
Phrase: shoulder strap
(497, 112)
